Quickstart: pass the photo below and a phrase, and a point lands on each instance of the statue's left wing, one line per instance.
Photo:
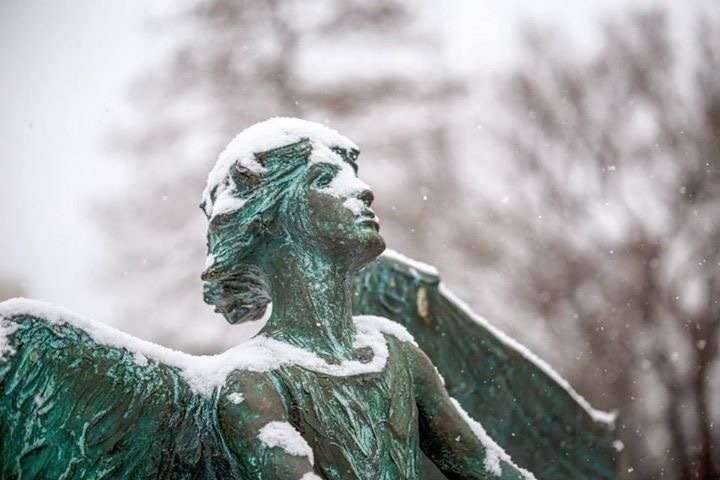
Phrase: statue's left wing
(78, 400)
(528, 409)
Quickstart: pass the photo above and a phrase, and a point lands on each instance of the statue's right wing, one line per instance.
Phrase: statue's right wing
(77, 400)
(529, 410)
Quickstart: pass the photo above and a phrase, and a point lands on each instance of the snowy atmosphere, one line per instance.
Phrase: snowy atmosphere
(557, 162)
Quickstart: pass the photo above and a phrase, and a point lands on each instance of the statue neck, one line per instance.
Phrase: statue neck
(311, 304)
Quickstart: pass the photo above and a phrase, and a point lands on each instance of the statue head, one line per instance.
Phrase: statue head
(283, 186)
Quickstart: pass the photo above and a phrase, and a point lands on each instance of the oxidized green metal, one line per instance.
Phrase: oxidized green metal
(321, 395)
(516, 399)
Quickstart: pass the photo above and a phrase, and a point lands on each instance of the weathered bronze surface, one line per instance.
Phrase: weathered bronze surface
(326, 395)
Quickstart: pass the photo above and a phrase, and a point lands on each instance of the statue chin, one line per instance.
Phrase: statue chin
(373, 247)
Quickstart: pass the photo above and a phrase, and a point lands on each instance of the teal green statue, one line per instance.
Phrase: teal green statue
(319, 393)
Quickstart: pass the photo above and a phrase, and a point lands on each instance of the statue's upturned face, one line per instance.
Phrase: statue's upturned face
(333, 214)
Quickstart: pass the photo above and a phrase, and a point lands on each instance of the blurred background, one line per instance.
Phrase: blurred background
(559, 163)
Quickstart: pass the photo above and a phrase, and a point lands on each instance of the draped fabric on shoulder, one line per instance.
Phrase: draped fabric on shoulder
(526, 407)
(73, 408)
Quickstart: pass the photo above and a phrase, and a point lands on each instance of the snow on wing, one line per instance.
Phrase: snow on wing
(73, 408)
(523, 404)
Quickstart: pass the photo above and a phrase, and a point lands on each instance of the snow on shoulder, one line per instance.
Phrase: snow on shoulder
(372, 323)
(284, 436)
(205, 373)
(272, 133)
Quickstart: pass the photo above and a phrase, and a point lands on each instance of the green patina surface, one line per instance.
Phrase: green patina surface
(533, 418)
(70, 409)
(73, 408)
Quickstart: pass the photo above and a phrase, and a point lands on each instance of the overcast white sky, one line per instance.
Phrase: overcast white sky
(66, 67)
(65, 70)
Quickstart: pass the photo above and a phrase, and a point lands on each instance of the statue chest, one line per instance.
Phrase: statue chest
(360, 426)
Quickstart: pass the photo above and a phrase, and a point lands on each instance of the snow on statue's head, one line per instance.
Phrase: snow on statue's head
(247, 199)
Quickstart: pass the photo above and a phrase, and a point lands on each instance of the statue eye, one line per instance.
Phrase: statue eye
(319, 175)
(324, 178)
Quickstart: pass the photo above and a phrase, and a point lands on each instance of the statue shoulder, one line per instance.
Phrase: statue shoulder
(394, 336)
(245, 404)
(371, 324)
(418, 360)
(250, 394)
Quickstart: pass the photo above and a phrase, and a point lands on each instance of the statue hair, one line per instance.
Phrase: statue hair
(237, 239)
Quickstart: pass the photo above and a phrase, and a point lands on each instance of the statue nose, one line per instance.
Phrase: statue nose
(366, 196)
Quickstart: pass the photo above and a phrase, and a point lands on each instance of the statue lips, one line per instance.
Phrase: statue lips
(368, 218)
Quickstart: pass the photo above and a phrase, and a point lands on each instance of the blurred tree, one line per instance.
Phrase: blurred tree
(364, 68)
(611, 229)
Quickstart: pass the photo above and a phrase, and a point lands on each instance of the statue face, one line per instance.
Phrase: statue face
(333, 214)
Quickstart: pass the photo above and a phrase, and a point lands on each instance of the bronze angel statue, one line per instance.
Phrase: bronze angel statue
(367, 367)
